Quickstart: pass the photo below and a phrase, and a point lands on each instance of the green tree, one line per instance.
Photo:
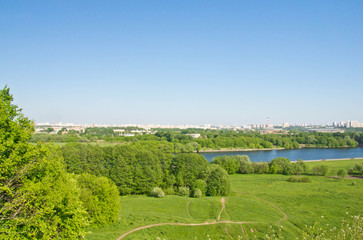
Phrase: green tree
(184, 191)
(188, 167)
(280, 165)
(201, 185)
(218, 183)
(319, 170)
(197, 193)
(49, 130)
(158, 192)
(38, 199)
(100, 197)
(342, 173)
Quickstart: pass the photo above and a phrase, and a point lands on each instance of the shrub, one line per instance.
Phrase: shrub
(298, 179)
(158, 192)
(358, 168)
(198, 193)
(184, 191)
(260, 167)
(201, 185)
(246, 168)
(280, 165)
(169, 191)
(342, 173)
(294, 169)
(319, 170)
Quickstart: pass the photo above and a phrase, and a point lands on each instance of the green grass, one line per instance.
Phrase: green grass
(335, 164)
(255, 198)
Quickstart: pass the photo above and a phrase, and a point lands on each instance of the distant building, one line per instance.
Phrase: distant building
(195, 135)
(354, 124)
(326, 130)
(285, 125)
(273, 131)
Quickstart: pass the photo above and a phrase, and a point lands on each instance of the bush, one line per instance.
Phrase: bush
(184, 191)
(198, 193)
(320, 170)
(201, 185)
(358, 168)
(158, 192)
(260, 167)
(246, 168)
(280, 165)
(342, 173)
(169, 191)
(298, 179)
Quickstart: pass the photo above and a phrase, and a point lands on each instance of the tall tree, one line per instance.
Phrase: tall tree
(38, 199)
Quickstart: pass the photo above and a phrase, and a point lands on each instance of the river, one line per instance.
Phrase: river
(293, 154)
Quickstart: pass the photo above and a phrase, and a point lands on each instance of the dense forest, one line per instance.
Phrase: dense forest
(139, 167)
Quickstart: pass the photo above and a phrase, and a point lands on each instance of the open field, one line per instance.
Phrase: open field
(263, 200)
(335, 164)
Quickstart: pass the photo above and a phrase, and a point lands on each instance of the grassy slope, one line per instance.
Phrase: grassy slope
(254, 199)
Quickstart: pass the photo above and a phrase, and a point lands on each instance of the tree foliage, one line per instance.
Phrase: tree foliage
(218, 183)
(38, 198)
(100, 197)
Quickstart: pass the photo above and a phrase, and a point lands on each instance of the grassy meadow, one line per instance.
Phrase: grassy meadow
(268, 202)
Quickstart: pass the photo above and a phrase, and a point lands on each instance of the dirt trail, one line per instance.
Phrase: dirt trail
(223, 207)
(229, 235)
(276, 207)
(185, 224)
(188, 209)
(179, 224)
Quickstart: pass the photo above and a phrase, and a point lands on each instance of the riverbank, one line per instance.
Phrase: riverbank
(265, 149)
(335, 159)
(240, 150)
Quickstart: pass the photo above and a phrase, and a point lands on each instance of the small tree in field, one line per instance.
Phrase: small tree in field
(342, 173)
(158, 192)
(184, 191)
(320, 170)
(198, 193)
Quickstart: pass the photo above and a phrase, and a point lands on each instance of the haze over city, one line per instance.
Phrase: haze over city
(190, 62)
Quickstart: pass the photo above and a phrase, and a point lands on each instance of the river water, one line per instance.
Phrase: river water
(294, 154)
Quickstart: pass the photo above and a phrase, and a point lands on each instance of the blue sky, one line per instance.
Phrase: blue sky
(184, 62)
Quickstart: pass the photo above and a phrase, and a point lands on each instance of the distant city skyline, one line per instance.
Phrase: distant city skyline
(341, 124)
(189, 62)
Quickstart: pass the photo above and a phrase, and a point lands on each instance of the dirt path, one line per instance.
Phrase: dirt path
(276, 207)
(229, 235)
(179, 224)
(188, 209)
(223, 207)
(186, 224)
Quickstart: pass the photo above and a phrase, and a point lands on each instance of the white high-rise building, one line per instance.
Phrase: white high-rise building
(354, 124)
(285, 125)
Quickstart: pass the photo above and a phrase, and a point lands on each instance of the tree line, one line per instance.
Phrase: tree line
(280, 165)
(213, 139)
(139, 167)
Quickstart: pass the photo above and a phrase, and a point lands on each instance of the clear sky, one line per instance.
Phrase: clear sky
(184, 62)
